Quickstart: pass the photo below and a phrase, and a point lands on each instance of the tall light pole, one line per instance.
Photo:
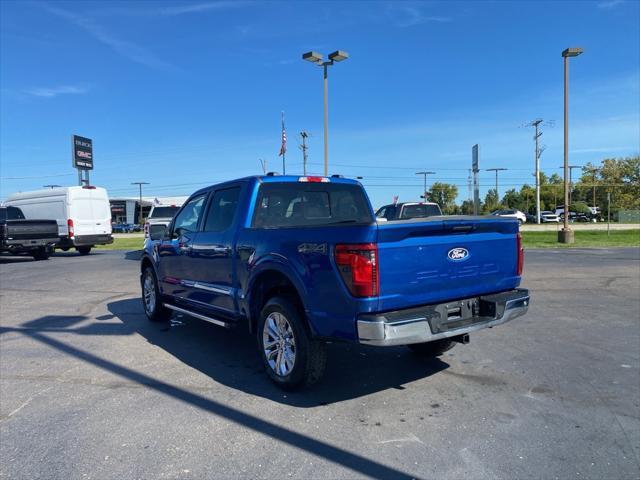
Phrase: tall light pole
(496, 170)
(566, 234)
(316, 58)
(424, 174)
(140, 203)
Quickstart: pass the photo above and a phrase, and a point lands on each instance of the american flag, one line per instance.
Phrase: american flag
(283, 147)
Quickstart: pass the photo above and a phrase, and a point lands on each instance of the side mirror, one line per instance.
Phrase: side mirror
(156, 232)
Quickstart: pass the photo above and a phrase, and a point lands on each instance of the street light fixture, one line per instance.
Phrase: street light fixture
(424, 174)
(317, 59)
(566, 234)
(140, 203)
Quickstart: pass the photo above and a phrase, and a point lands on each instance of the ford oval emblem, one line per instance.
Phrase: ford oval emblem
(457, 254)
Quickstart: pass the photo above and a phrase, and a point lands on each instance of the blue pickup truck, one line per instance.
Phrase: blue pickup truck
(301, 261)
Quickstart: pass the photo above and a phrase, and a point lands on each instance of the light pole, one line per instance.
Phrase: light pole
(496, 170)
(316, 58)
(140, 203)
(566, 234)
(424, 174)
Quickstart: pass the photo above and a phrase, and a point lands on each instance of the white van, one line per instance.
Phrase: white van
(83, 214)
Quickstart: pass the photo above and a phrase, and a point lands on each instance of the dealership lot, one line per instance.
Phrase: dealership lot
(91, 389)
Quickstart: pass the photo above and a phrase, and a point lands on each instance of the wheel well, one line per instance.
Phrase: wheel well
(144, 264)
(269, 284)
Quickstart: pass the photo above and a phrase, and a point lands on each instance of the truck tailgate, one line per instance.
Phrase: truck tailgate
(438, 259)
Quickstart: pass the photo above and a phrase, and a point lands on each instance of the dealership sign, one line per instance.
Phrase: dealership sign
(82, 152)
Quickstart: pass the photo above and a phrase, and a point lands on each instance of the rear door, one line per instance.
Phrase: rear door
(101, 211)
(430, 261)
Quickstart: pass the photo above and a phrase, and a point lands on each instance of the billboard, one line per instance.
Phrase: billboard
(475, 154)
(82, 152)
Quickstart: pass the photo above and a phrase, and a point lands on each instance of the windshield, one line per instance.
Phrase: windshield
(307, 204)
(164, 212)
(420, 211)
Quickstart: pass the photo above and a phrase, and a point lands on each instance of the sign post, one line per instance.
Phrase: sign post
(475, 153)
(82, 157)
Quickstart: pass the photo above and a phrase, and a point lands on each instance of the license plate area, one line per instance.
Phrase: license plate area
(454, 315)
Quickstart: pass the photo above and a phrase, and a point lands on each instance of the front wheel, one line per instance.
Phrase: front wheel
(432, 349)
(84, 250)
(291, 358)
(151, 301)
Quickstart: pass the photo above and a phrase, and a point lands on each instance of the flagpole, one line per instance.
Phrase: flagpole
(284, 151)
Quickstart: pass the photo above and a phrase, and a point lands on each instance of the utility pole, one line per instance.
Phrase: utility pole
(469, 187)
(304, 134)
(51, 186)
(570, 168)
(538, 152)
(594, 171)
(263, 164)
(496, 170)
(424, 174)
(140, 204)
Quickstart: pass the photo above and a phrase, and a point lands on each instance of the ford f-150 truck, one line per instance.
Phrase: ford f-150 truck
(301, 261)
(19, 235)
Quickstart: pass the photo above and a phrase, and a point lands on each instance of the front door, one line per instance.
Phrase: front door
(174, 266)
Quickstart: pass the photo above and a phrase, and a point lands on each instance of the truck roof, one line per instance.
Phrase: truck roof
(283, 179)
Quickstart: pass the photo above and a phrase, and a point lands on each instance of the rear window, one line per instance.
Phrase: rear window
(310, 204)
(11, 213)
(164, 212)
(420, 211)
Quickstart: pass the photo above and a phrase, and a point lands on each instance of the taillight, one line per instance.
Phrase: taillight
(70, 225)
(520, 254)
(146, 229)
(358, 266)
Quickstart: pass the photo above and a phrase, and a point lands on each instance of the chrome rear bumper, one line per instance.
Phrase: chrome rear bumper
(433, 322)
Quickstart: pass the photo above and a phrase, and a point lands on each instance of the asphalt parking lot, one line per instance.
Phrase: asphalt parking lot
(90, 389)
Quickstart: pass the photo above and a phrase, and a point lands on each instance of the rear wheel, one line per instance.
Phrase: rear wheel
(432, 349)
(84, 250)
(41, 253)
(151, 301)
(290, 356)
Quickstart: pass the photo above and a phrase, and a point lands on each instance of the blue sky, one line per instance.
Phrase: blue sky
(181, 94)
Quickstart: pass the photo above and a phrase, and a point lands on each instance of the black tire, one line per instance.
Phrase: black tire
(41, 253)
(310, 356)
(84, 250)
(432, 349)
(155, 310)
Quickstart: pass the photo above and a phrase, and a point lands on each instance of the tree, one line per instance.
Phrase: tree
(444, 194)
(491, 201)
(467, 207)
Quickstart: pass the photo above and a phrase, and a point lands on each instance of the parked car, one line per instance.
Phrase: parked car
(124, 228)
(531, 218)
(19, 235)
(83, 214)
(299, 261)
(402, 211)
(160, 215)
(549, 217)
(511, 213)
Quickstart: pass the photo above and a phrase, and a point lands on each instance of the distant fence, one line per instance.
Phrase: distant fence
(629, 216)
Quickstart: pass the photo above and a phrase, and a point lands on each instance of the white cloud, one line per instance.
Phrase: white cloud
(200, 7)
(130, 50)
(409, 15)
(50, 92)
(610, 3)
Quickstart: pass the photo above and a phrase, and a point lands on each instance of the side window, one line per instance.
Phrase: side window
(222, 210)
(380, 213)
(187, 219)
(14, 213)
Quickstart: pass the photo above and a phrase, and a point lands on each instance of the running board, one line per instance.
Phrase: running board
(215, 321)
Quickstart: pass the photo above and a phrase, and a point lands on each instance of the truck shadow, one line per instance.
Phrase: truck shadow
(230, 357)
